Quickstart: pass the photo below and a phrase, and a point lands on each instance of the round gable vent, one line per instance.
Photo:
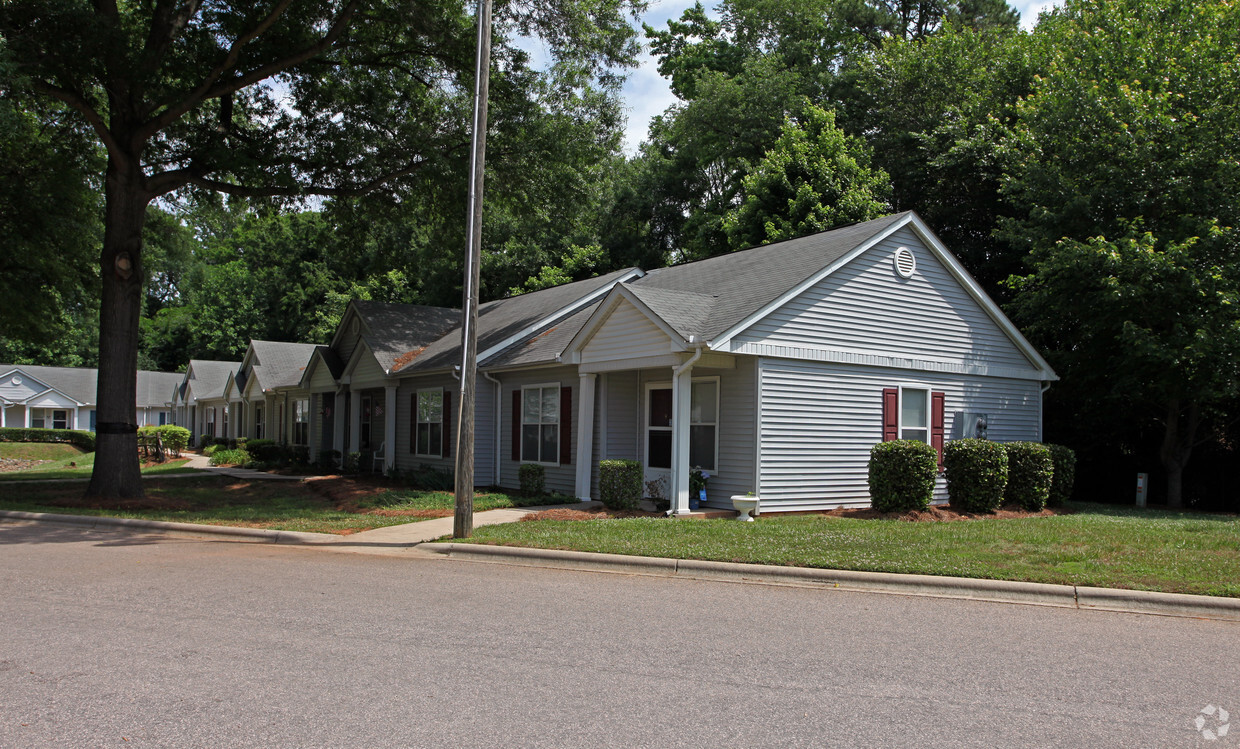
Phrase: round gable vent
(16, 380)
(905, 262)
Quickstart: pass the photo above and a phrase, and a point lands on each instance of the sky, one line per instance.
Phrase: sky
(646, 93)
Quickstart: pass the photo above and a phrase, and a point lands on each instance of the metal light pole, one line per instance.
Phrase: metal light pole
(463, 524)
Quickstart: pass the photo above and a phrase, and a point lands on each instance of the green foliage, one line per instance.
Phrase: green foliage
(1064, 460)
(813, 179)
(697, 480)
(352, 463)
(429, 478)
(328, 460)
(234, 457)
(902, 475)
(1030, 474)
(532, 478)
(977, 473)
(210, 450)
(620, 483)
(82, 439)
(172, 438)
(269, 451)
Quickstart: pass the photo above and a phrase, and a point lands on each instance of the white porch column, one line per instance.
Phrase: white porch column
(28, 410)
(75, 419)
(585, 435)
(338, 424)
(681, 398)
(4, 410)
(389, 426)
(355, 422)
(314, 427)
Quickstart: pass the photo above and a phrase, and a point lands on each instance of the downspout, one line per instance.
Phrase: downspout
(697, 354)
(498, 391)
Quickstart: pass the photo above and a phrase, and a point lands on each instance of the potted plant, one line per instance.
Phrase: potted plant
(697, 487)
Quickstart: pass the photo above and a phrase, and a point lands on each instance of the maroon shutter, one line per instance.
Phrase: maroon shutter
(891, 413)
(566, 425)
(446, 441)
(413, 422)
(936, 424)
(516, 424)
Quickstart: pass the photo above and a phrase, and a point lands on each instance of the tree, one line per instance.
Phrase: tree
(1124, 174)
(270, 98)
(813, 179)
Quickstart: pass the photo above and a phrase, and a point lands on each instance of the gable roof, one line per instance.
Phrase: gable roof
(395, 333)
(210, 377)
(79, 383)
(509, 322)
(276, 364)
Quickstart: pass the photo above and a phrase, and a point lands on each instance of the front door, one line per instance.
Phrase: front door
(658, 447)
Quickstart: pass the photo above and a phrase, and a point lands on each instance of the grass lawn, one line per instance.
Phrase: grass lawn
(333, 506)
(38, 450)
(1098, 545)
(85, 463)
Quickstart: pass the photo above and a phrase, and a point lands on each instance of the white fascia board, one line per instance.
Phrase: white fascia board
(559, 314)
(720, 342)
(619, 293)
(966, 280)
(25, 376)
(42, 393)
(316, 358)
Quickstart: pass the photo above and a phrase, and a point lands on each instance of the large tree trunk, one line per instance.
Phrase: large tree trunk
(116, 473)
(1179, 435)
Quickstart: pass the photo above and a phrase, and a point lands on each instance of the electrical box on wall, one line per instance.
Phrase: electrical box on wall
(970, 424)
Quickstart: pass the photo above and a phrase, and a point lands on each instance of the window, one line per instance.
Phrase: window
(60, 419)
(163, 418)
(301, 422)
(211, 422)
(703, 423)
(37, 419)
(429, 438)
(915, 414)
(540, 424)
(258, 422)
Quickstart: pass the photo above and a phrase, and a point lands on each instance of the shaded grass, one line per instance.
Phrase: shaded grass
(276, 505)
(39, 450)
(61, 469)
(1099, 545)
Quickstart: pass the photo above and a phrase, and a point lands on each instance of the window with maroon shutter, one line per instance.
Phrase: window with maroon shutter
(542, 422)
(429, 420)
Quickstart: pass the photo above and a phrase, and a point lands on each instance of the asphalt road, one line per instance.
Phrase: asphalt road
(124, 639)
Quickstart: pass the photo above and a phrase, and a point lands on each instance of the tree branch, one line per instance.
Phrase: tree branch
(212, 88)
(93, 118)
(166, 182)
(165, 26)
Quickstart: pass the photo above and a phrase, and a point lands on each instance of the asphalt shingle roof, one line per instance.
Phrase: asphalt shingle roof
(211, 376)
(278, 364)
(397, 333)
(152, 388)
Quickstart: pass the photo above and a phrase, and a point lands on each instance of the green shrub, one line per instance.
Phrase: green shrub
(268, 451)
(209, 450)
(84, 440)
(301, 455)
(902, 474)
(620, 483)
(1065, 475)
(352, 463)
(977, 472)
(427, 478)
(205, 441)
(533, 479)
(175, 438)
(1029, 474)
(235, 457)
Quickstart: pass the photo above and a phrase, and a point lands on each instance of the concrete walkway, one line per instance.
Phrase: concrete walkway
(203, 464)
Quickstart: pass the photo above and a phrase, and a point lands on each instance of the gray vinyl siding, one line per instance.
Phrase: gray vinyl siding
(865, 308)
(484, 436)
(820, 420)
(560, 478)
(26, 388)
(627, 334)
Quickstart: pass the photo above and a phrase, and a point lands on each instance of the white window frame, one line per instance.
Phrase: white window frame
(64, 411)
(417, 420)
(715, 424)
(900, 412)
(40, 420)
(559, 420)
(259, 421)
(303, 411)
(209, 423)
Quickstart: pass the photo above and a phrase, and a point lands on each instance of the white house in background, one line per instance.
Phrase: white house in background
(64, 397)
(774, 369)
(202, 407)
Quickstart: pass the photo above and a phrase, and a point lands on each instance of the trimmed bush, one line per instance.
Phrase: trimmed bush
(237, 457)
(77, 437)
(620, 483)
(268, 451)
(533, 479)
(205, 441)
(210, 450)
(1065, 474)
(977, 472)
(301, 455)
(175, 438)
(328, 460)
(902, 474)
(1029, 474)
(352, 463)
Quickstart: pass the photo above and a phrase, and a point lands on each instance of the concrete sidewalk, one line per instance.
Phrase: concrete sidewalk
(203, 464)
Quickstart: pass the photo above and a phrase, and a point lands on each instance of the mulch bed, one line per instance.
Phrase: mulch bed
(935, 514)
(17, 464)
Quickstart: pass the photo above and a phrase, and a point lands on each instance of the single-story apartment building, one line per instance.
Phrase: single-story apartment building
(64, 397)
(773, 369)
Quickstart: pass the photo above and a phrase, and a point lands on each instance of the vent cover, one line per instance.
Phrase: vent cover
(905, 262)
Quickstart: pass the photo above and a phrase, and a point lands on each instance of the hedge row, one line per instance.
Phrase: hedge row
(980, 474)
(620, 483)
(82, 439)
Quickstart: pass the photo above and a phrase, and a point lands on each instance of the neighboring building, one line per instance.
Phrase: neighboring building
(64, 397)
(266, 394)
(199, 396)
(775, 369)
